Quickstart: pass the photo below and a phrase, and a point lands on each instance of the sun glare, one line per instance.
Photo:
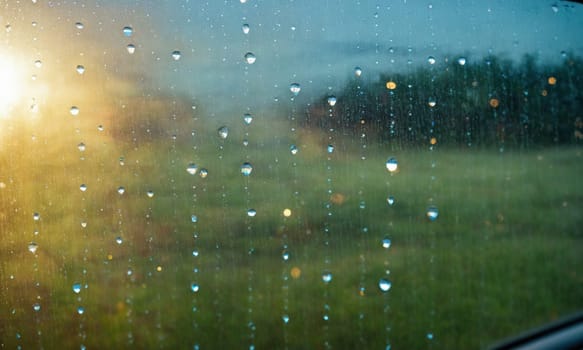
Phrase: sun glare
(11, 85)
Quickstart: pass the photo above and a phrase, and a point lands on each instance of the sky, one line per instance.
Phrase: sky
(314, 43)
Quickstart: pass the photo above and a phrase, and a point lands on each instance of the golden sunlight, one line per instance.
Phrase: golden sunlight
(11, 84)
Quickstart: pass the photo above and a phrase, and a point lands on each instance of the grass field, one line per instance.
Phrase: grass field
(504, 255)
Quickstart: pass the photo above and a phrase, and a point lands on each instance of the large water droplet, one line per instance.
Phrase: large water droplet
(176, 55)
(81, 147)
(293, 149)
(247, 118)
(431, 60)
(131, 49)
(192, 169)
(285, 319)
(386, 243)
(390, 200)
(223, 132)
(32, 247)
(194, 287)
(246, 169)
(327, 277)
(357, 71)
(83, 187)
(330, 148)
(74, 110)
(128, 31)
(77, 288)
(432, 213)
(331, 101)
(384, 285)
(245, 27)
(36, 216)
(461, 61)
(250, 58)
(251, 213)
(121, 190)
(36, 307)
(79, 25)
(295, 88)
(150, 194)
(80, 69)
(431, 102)
(118, 240)
(80, 310)
(391, 164)
(203, 173)
(285, 255)
(194, 218)
(38, 63)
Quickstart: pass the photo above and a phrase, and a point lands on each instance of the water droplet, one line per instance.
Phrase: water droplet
(245, 28)
(247, 118)
(131, 49)
(176, 55)
(295, 88)
(80, 69)
(555, 8)
(77, 288)
(392, 165)
(80, 310)
(432, 213)
(391, 200)
(128, 31)
(330, 148)
(251, 213)
(36, 307)
(327, 277)
(461, 61)
(193, 218)
(195, 253)
(150, 194)
(192, 168)
(74, 110)
(83, 187)
(250, 58)
(429, 336)
(223, 132)
(100, 127)
(357, 71)
(121, 190)
(293, 149)
(38, 63)
(32, 247)
(194, 287)
(386, 243)
(36, 216)
(431, 60)
(118, 240)
(331, 101)
(203, 173)
(431, 102)
(285, 319)
(285, 255)
(384, 285)
(79, 25)
(81, 147)
(246, 169)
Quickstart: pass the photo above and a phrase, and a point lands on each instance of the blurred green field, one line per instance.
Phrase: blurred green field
(503, 256)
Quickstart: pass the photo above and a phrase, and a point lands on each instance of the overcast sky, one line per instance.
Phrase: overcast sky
(316, 43)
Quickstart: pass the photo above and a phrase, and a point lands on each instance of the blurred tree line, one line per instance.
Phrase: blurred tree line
(491, 102)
